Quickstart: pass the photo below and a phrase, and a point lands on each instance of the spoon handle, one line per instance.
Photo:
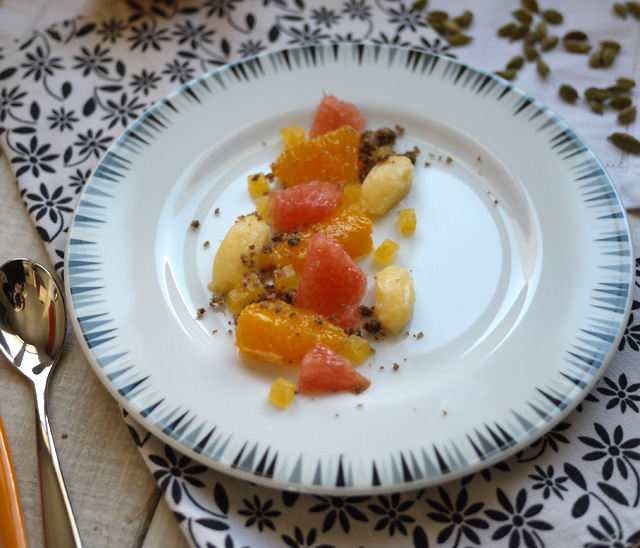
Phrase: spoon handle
(60, 527)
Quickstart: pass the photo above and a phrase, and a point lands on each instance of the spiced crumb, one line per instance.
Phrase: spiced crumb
(230, 331)
(195, 223)
(420, 335)
(449, 159)
(444, 412)
(214, 331)
(200, 313)
(372, 326)
(359, 406)
(206, 244)
(396, 366)
(65, 436)
(427, 164)
(216, 211)
(365, 311)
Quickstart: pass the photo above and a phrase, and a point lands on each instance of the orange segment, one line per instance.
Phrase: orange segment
(350, 228)
(332, 157)
(282, 334)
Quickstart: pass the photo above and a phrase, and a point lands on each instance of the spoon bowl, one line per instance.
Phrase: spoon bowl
(33, 326)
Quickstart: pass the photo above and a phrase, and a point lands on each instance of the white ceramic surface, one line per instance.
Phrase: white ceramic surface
(522, 263)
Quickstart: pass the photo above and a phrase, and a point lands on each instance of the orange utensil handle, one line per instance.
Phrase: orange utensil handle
(12, 530)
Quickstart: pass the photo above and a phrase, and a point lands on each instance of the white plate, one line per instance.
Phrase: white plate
(522, 262)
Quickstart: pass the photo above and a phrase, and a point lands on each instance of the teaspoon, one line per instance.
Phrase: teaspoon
(33, 325)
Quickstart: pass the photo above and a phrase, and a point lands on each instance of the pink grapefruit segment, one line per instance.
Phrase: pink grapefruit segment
(304, 204)
(331, 283)
(333, 113)
(322, 371)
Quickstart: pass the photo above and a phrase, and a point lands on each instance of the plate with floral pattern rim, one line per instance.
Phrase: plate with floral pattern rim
(521, 260)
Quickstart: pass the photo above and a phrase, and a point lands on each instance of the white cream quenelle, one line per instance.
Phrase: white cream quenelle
(245, 239)
(394, 297)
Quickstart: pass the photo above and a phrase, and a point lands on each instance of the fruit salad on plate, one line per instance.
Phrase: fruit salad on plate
(288, 272)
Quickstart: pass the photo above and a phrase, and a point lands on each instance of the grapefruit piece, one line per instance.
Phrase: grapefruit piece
(322, 370)
(331, 283)
(332, 113)
(332, 157)
(302, 204)
(280, 333)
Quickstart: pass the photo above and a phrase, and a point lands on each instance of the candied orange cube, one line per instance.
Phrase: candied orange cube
(261, 207)
(249, 289)
(285, 278)
(356, 349)
(282, 392)
(293, 134)
(258, 184)
(350, 194)
(407, 220)
(386, 251)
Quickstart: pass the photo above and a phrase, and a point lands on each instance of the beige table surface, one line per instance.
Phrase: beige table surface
(114, 496)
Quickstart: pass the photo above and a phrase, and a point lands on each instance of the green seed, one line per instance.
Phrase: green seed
(608, 56)
(465, 19)
(596, 106)
(548, 43)
(532, 39)
(519, 32)
(620, 101)
(506, 31)
(458, 39)
(627, 115)
(450, 27)
(634, 9)
(610, 44)
(576, 35)
(542, 67)
(625, 83)
(541, 29)
(419, 5)
(620, 9)
(515, 62)
(595, 60)
(625, 142)
(531, 5)
(577, 46)
(508, 74)
(597, 94)
(531, 53)
(523, 15)
(568, 93)
(553, 17)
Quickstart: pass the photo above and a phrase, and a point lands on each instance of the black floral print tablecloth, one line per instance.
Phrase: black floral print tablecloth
(69, 90)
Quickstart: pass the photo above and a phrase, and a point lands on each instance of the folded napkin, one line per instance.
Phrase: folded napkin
(66, 93)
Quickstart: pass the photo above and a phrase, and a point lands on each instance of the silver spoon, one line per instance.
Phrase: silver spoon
(33, 325)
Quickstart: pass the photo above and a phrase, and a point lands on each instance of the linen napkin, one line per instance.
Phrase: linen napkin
(68, 90)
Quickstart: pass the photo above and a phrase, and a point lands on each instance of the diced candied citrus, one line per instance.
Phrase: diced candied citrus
(293, 134)
(285, 278)
(356, 349)
(282, 392)
(262, 203)
(258, 184)
(350, 194)
(407, 220)
(386, 251)
(331, 157)
(249, 289)
(350, 228)
(280, 333)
